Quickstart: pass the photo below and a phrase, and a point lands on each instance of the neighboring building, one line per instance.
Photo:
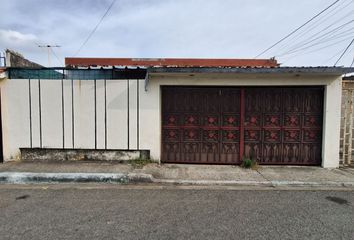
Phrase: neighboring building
(15, 59)
(213, 111)
(347, 122)
(2, 73)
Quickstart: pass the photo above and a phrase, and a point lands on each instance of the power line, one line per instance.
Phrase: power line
(311, 39)
(305, 46)
(346, 49)
(351, 65)
(318, 49)
(329, 59)
(297, 29)
(95, 28)
(324, 18)
(61, 63)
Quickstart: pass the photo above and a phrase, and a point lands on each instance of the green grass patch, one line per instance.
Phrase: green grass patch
(140, 162)
(249, 163)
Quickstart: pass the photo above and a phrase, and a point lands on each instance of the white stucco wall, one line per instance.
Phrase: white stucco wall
(57, 125)
(331, 125)
(15, 111)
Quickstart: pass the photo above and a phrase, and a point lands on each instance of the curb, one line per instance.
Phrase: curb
(311, 184)
(135, 178)
(30, 177)
(214, 182)
(256, 183)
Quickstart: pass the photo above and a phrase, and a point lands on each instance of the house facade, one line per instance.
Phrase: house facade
(210, 111)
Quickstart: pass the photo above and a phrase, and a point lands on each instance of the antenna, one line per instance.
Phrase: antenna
(49, 50)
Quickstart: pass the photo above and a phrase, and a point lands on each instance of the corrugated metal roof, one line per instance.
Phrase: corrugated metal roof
(119, 72)
(170, 62)
(247, 70)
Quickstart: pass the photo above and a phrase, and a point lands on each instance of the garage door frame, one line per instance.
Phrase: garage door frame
(242, 120)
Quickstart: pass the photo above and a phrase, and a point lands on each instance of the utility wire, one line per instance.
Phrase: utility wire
(321, 41)
(297, 29)
(318, 49)
(335, 43)
(311, 39)
(56, 56)
(351, 65)
(346, 49)
(95, 28)
(324, 18)
(329, 59)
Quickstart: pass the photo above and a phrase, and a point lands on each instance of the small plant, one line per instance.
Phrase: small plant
(249, 163)
(140, 162)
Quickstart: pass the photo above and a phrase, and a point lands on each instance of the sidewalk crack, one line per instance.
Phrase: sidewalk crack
(265, 177)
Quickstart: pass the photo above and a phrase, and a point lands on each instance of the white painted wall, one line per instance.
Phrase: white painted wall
(15, 111)
(151, 112)
(331, 124)
(78, 113)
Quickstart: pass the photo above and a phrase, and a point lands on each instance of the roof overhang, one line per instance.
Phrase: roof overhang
(333, 71)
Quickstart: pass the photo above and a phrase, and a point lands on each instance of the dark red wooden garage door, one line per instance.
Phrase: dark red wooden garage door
(223, 125)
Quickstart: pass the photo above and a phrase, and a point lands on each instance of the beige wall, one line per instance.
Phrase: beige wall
(15, 111)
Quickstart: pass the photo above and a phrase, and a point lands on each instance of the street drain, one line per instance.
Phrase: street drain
(337, 200)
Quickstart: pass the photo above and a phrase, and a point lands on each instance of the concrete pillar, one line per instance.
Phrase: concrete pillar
(331, 124)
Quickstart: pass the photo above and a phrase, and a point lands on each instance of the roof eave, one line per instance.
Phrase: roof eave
(277, 70)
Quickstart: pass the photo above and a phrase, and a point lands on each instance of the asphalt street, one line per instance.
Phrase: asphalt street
(123, 212)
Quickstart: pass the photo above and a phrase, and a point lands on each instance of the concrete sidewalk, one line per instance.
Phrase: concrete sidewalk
(268, 176)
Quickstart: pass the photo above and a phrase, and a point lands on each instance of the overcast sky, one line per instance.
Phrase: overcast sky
(179, 28)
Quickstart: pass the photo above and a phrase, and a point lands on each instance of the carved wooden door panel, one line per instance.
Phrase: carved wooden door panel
(201, 125)
(283, 125)
(279, 125)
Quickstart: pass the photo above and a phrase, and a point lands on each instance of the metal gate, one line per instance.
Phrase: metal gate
(222, 125)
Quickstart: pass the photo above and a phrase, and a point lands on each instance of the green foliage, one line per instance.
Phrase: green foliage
(249, 163)
(140, 162)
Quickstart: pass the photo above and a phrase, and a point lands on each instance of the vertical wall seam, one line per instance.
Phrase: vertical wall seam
(128, 114)
(62, 110)
(72, 114)
(105, 114)
(30, 111)
(137, 115)
(95, 109)
(40, 113)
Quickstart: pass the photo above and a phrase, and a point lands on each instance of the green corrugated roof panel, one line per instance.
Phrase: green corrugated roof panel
(35, 74)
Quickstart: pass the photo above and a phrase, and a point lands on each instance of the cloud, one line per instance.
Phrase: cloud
(17, 40)
(162, 28)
